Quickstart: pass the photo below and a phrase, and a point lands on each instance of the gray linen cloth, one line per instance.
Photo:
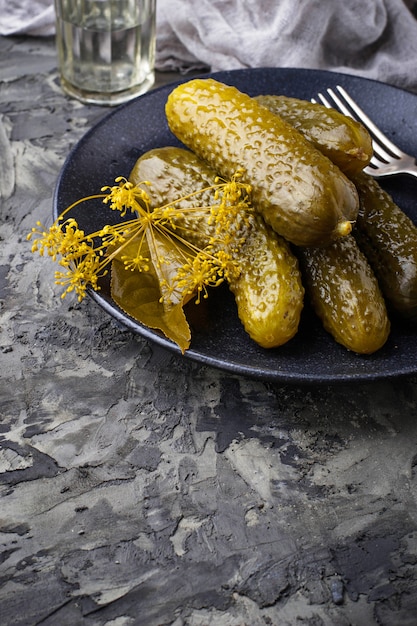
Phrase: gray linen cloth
(372, 38)
(27, 17)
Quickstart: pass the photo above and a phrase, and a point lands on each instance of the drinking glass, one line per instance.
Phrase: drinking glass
(106, 48)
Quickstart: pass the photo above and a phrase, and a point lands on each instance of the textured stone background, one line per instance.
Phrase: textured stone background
(138, 488)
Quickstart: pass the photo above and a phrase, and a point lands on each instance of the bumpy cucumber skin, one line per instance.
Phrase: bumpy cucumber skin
(268, 292)
(342, 139)
(388, 238)
(299, 191)
(176, 173)
(345, 295)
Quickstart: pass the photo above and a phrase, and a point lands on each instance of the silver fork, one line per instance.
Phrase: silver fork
(387, 159)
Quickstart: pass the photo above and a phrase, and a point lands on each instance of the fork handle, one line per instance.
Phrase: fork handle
(411, 170)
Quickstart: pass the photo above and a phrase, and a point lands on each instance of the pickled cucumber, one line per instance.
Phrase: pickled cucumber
(345, 294)
(388, 238)
(268, 291)
(298, 191)
(344, 140)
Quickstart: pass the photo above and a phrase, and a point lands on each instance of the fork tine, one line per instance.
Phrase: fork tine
(368, 123)
(381, 143)
(382, 155)
(343, 109)
(336, 100)
(387, 158)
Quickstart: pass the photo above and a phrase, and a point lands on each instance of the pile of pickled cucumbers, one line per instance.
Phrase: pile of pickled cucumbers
(323, 229)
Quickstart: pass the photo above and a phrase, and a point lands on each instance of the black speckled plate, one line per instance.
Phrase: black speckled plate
(111, 148)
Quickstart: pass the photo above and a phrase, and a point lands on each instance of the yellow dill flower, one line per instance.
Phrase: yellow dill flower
(231, 218)
(227, 266)
(138, 263)
(77, 254)
(126, 196)
(233, 191)
(60, 239)
(196, 275)
(86, 257)
(111, 235)
(80, 274)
